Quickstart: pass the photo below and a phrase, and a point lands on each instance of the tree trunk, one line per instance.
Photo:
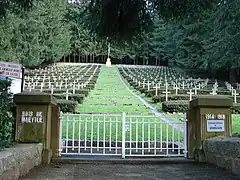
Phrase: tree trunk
(232, 76)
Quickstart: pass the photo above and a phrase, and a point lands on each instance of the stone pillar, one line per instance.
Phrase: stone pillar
(37, 121)
(208, 116)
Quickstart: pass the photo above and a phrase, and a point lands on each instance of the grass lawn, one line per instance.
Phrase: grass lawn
(236, 123)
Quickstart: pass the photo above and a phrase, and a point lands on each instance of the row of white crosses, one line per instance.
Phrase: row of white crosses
(177, 83)
(75, 85)
(232, 90)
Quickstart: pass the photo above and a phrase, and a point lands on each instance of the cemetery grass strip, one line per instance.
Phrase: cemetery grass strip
(109, 90)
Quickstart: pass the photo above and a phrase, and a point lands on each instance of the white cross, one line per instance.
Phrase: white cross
(52, 90)
(148, 84)
(41, 88)
(166, 92)
(214, 92)
(143, 84)
(74, 89)
(157, 86)
(195, 90)
(235, 95)
(176, 89)
(199, 86)
(139, 83)
(232, 90)
(190, 94)
(183, 85)
(238, 86)
(67, 93)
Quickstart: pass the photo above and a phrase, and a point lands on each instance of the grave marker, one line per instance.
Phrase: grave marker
(157, 86)
(176, 89)
(190, 94)
(166, 92)
(235, 95)
(214, 92)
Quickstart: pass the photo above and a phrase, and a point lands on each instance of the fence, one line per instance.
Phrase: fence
(121, 135)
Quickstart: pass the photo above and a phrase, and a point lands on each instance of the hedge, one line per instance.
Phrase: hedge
(72, 97)
(84, 91)
(175, 106)
(182, 106)
(67, 105)
(162, 98)
(152, 92)
(6, 115)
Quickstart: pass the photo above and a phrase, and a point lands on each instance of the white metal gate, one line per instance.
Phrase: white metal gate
(121, 135)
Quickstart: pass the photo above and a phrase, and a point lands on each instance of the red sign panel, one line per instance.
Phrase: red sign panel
(9, 69)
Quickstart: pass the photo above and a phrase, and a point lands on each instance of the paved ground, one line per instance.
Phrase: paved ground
(130, 172)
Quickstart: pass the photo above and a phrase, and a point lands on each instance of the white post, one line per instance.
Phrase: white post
(67, 94)
(148, 84)
(123, 134)
(185, 139)
(60, 134)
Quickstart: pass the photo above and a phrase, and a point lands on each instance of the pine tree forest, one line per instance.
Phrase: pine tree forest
(50, 31)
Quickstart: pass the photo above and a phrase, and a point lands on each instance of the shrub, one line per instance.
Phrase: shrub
(73, 97)
(67, 105)
(236, 108)
(6, 119)
(175, 106)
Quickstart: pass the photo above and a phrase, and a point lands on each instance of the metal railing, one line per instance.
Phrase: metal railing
(121, 135)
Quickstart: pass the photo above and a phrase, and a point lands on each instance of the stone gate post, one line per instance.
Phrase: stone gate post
(37, 121)
(208, 116)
